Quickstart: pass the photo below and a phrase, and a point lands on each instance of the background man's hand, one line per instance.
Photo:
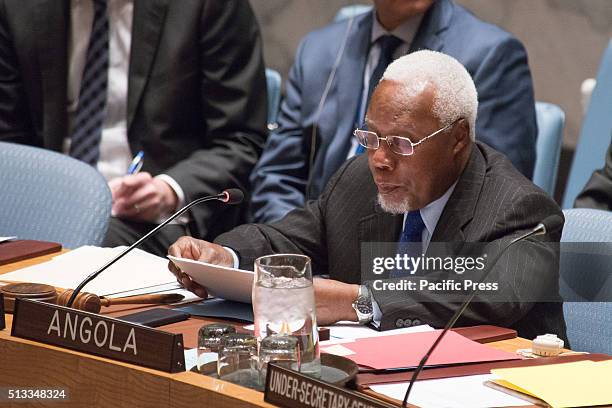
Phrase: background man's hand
(334, 301)
(198, 250)
(141, 197)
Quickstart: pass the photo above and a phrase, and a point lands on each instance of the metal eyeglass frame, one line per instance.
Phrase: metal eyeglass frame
(389, 138)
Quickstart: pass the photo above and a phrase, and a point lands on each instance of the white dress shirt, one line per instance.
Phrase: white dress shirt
(431, 215)
(115, 153)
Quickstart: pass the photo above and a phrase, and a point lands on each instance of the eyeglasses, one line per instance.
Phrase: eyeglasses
(398, 144)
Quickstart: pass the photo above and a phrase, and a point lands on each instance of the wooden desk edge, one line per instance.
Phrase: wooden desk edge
(205, 387)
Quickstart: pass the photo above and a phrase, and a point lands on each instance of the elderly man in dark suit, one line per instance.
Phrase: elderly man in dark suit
(182, 81)
(424, 179)
(333, 75)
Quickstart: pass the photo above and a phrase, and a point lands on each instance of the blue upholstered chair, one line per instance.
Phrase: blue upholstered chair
(551, 120)
(273, 82)
(586, 279)
(51, 197)
(595, 134)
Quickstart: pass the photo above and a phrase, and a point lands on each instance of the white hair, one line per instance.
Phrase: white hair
(455, 94)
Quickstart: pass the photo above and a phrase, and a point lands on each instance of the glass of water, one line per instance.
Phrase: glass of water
(238, 361)
(209, 342)
(280, 349)
(283, 303)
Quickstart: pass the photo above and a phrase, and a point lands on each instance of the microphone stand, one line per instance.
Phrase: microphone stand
(224, 196)
(540, 229)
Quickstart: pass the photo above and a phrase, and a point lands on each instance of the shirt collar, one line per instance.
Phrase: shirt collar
(432, 212)
(405, 31)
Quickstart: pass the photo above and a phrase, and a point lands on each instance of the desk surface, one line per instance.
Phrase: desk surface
(96, 381)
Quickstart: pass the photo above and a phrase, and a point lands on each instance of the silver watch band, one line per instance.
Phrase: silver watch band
(364, 297)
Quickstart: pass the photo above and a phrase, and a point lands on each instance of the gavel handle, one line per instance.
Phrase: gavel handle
(163, 298)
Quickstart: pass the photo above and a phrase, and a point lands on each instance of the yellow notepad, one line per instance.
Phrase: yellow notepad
(581, 383)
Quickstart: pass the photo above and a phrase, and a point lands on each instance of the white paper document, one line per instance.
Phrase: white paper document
(220, 281)
(191, 358)
(353, 330)
(459, 392)
(136, 271)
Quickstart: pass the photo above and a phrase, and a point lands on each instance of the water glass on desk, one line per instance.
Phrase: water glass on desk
(209, 342)
(283, 303)
(280, 349)
(237, 361)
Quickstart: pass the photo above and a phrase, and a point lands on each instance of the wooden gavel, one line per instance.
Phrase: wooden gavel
(84, 301)
(93, 303)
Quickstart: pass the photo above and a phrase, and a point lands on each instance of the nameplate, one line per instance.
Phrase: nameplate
(290, 389)
(2, 323)
(98, 335)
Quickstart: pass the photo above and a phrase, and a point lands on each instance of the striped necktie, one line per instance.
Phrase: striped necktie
(411, 240)
(89, 118)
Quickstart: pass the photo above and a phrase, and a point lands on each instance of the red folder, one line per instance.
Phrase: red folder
(405, 350)
(14, 251)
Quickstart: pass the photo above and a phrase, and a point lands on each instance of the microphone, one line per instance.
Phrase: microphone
(230, 196)
(550, 224)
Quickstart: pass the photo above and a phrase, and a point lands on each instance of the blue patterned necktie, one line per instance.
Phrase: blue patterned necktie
(89, 117)
(411, 240)
(388, 45)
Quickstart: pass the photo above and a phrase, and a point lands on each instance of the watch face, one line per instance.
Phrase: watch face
(364, 305)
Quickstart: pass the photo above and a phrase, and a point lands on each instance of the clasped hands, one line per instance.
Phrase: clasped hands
(333, 298)
(141, 197)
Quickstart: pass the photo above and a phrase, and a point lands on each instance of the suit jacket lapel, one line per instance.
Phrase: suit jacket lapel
(349, 85)
(52, 17)
(459, 209)
(379, 226)
(146, 29)
(374, 230)
(434, 23)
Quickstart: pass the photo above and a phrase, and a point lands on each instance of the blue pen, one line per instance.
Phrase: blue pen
(136, 164)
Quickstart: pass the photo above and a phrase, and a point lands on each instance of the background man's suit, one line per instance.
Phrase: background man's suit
(196, 90)
(598, 190)
(490, 202)
(283, 179)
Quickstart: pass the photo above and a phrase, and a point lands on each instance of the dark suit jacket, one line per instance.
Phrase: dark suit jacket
(598, 191)
(491, 202)
(496, 60)
(196, 89)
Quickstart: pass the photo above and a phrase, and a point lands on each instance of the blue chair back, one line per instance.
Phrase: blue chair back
(273, 82)
(551, 120)
(51, 197)
(586, 279)
(353, 10)
(595, 134)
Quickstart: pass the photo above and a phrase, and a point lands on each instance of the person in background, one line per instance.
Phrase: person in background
(598, 191)
(313, 138)
(99, 80)
(424, 179)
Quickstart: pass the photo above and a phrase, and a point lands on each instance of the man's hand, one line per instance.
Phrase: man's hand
(141, 197)
(198, 250)
(334, 301)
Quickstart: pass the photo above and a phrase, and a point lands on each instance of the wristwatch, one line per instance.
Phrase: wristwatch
(363, 305)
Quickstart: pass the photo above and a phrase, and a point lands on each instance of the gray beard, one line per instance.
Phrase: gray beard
(394, 207)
